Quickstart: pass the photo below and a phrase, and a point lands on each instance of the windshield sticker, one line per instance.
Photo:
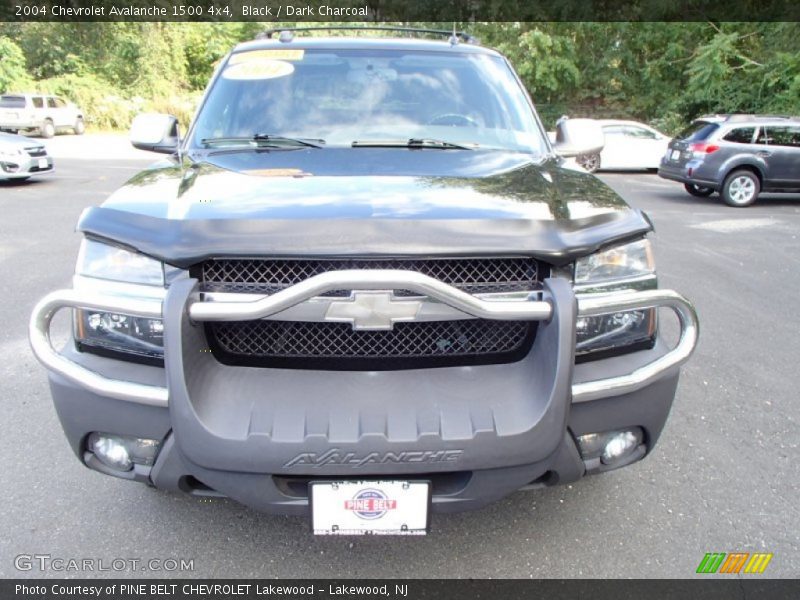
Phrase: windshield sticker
(258, 69)
(270, 54)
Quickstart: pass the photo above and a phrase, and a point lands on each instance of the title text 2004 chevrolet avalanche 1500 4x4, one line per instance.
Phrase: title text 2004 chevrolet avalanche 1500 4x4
(364, 288)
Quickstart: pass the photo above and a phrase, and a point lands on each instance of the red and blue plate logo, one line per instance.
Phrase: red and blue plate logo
(370, 504)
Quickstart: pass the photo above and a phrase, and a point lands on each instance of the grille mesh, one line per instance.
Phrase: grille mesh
(336, 345)
(290, 339)
(473, 275)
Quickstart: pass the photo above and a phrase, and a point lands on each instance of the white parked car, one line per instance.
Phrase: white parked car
(21, 158)
(47, 114)
(629, 146)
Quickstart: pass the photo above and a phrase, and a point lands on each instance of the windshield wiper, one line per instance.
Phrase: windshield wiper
(413, 143)
(265, 140)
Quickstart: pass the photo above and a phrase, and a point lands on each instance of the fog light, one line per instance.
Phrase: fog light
(620, 445)
(610, 446)
(111, 452)
(121, 452)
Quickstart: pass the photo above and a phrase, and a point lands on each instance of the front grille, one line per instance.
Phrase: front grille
(329, 345)
(36, 151)
(473, 275)
(295, 344)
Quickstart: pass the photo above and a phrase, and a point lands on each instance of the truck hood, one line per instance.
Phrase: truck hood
(363, 202)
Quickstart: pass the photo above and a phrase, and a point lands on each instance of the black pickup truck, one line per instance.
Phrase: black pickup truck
(363, 287)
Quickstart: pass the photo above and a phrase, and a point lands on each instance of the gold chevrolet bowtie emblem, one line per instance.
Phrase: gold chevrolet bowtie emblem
(372, 310)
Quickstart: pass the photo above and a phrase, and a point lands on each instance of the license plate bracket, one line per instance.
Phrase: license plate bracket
(370, 507)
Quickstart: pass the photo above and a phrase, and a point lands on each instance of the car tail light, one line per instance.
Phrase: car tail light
(703, 148)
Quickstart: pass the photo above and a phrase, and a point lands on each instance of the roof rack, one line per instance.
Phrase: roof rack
(286, 32)
(740, 117)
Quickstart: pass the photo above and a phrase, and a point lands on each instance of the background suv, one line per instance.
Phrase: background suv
(736, 155)
(47, 114)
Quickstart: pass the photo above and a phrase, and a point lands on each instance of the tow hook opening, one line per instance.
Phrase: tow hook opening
(546, 479)
(189, 484)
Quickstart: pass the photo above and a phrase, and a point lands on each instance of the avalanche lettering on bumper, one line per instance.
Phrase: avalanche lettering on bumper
(335, 457)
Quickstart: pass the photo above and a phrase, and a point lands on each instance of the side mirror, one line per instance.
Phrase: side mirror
(578, 136)
(155, 132)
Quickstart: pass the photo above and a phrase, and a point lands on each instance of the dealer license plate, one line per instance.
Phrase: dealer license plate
(370, 507)
(676, 155)
(43, 163)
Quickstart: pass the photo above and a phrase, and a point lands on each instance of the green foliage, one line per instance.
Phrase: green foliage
(740, 69)
(13, 74)
(547, 63)
(721, 78)
(670, 123)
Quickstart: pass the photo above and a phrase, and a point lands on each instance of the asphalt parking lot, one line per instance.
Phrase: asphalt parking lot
(724, 477)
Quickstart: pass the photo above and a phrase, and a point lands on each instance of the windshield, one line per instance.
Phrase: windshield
(342, 96)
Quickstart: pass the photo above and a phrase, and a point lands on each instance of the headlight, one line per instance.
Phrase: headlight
(622, 262)
(610, 270)
(112, 333)
(102, 261)
(10, 153)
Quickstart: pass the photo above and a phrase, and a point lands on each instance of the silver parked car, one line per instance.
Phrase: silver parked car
(736, 155)
(46, 114)
(21, 157)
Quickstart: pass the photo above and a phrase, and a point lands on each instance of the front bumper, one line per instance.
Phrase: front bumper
(258, 435)
(25, 166)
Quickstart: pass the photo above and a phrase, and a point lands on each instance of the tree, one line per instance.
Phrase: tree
(13, 72)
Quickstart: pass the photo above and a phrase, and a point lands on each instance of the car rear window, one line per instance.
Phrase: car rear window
(698, 131)
(740, 135)
(12, 101)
